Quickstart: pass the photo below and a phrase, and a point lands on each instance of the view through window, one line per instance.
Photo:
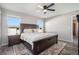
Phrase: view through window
(13, 25)
(40, 23)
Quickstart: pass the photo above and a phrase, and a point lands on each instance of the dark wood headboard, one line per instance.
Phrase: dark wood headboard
(28, 26)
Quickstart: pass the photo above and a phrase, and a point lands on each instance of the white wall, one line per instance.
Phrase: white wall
(4, 32)
(62, 25)
(29, 20)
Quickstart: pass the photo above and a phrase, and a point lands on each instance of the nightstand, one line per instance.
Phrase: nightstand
(13, 39)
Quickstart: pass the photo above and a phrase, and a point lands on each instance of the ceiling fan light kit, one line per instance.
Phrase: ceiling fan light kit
(45, 11)
(45, 8)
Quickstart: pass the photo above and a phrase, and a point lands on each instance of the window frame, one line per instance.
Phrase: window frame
(14, 17)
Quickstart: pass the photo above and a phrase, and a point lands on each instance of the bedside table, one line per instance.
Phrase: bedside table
(13, 39)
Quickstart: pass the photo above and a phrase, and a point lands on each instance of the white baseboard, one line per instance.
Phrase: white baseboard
(66, 40)
(5, 44)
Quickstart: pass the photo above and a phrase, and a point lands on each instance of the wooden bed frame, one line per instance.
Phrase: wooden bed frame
(40, 45)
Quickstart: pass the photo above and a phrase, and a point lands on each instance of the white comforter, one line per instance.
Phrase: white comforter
(31, 37)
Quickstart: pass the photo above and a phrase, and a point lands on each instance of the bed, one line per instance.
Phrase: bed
(37, 42)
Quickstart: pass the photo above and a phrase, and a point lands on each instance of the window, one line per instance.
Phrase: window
(13, 25)
(40, 23)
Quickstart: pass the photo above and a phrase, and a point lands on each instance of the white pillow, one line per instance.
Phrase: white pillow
(34, 30)
(25, 30)
(40, 30)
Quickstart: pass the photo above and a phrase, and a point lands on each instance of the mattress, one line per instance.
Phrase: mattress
(32, 37)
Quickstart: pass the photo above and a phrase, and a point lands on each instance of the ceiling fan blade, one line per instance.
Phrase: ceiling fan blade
(51, 9)
(50, 5)
(40, 6)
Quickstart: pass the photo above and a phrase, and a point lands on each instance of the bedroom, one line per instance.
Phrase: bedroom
(34, 21)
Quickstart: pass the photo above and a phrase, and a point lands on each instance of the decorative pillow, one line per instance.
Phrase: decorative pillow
(40, 30)
(37, 30)
(27, 31)
(34, 30)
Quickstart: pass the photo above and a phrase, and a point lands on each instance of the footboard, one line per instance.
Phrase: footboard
(43, 44)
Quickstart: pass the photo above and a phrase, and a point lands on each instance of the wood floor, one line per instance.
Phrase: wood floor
(69, 49)
(21, 49)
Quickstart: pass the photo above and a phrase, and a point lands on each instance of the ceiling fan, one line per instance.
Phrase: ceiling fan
(46, 8)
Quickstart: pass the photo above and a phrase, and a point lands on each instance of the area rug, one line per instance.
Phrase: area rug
(20, 49)
(53, 50)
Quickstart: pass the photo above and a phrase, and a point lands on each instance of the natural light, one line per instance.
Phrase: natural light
(13, 25)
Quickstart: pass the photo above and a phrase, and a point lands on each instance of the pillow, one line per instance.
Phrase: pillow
(37, 30)
(40, 31)
(27, 31)
(34, 30)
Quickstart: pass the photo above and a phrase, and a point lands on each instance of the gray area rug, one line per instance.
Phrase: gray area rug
(20, 49)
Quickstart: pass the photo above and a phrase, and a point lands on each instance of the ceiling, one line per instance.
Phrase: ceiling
(32, 8)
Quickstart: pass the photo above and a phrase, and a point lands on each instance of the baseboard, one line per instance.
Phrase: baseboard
(4, 45)
(66, 41)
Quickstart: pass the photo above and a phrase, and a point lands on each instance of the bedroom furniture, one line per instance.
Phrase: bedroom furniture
(13, 39)
(40, 45)
(27, 26)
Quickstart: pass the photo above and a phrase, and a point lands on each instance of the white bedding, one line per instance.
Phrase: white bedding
(31, 37)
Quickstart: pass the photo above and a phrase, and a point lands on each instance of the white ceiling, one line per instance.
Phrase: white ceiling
(32, 8)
